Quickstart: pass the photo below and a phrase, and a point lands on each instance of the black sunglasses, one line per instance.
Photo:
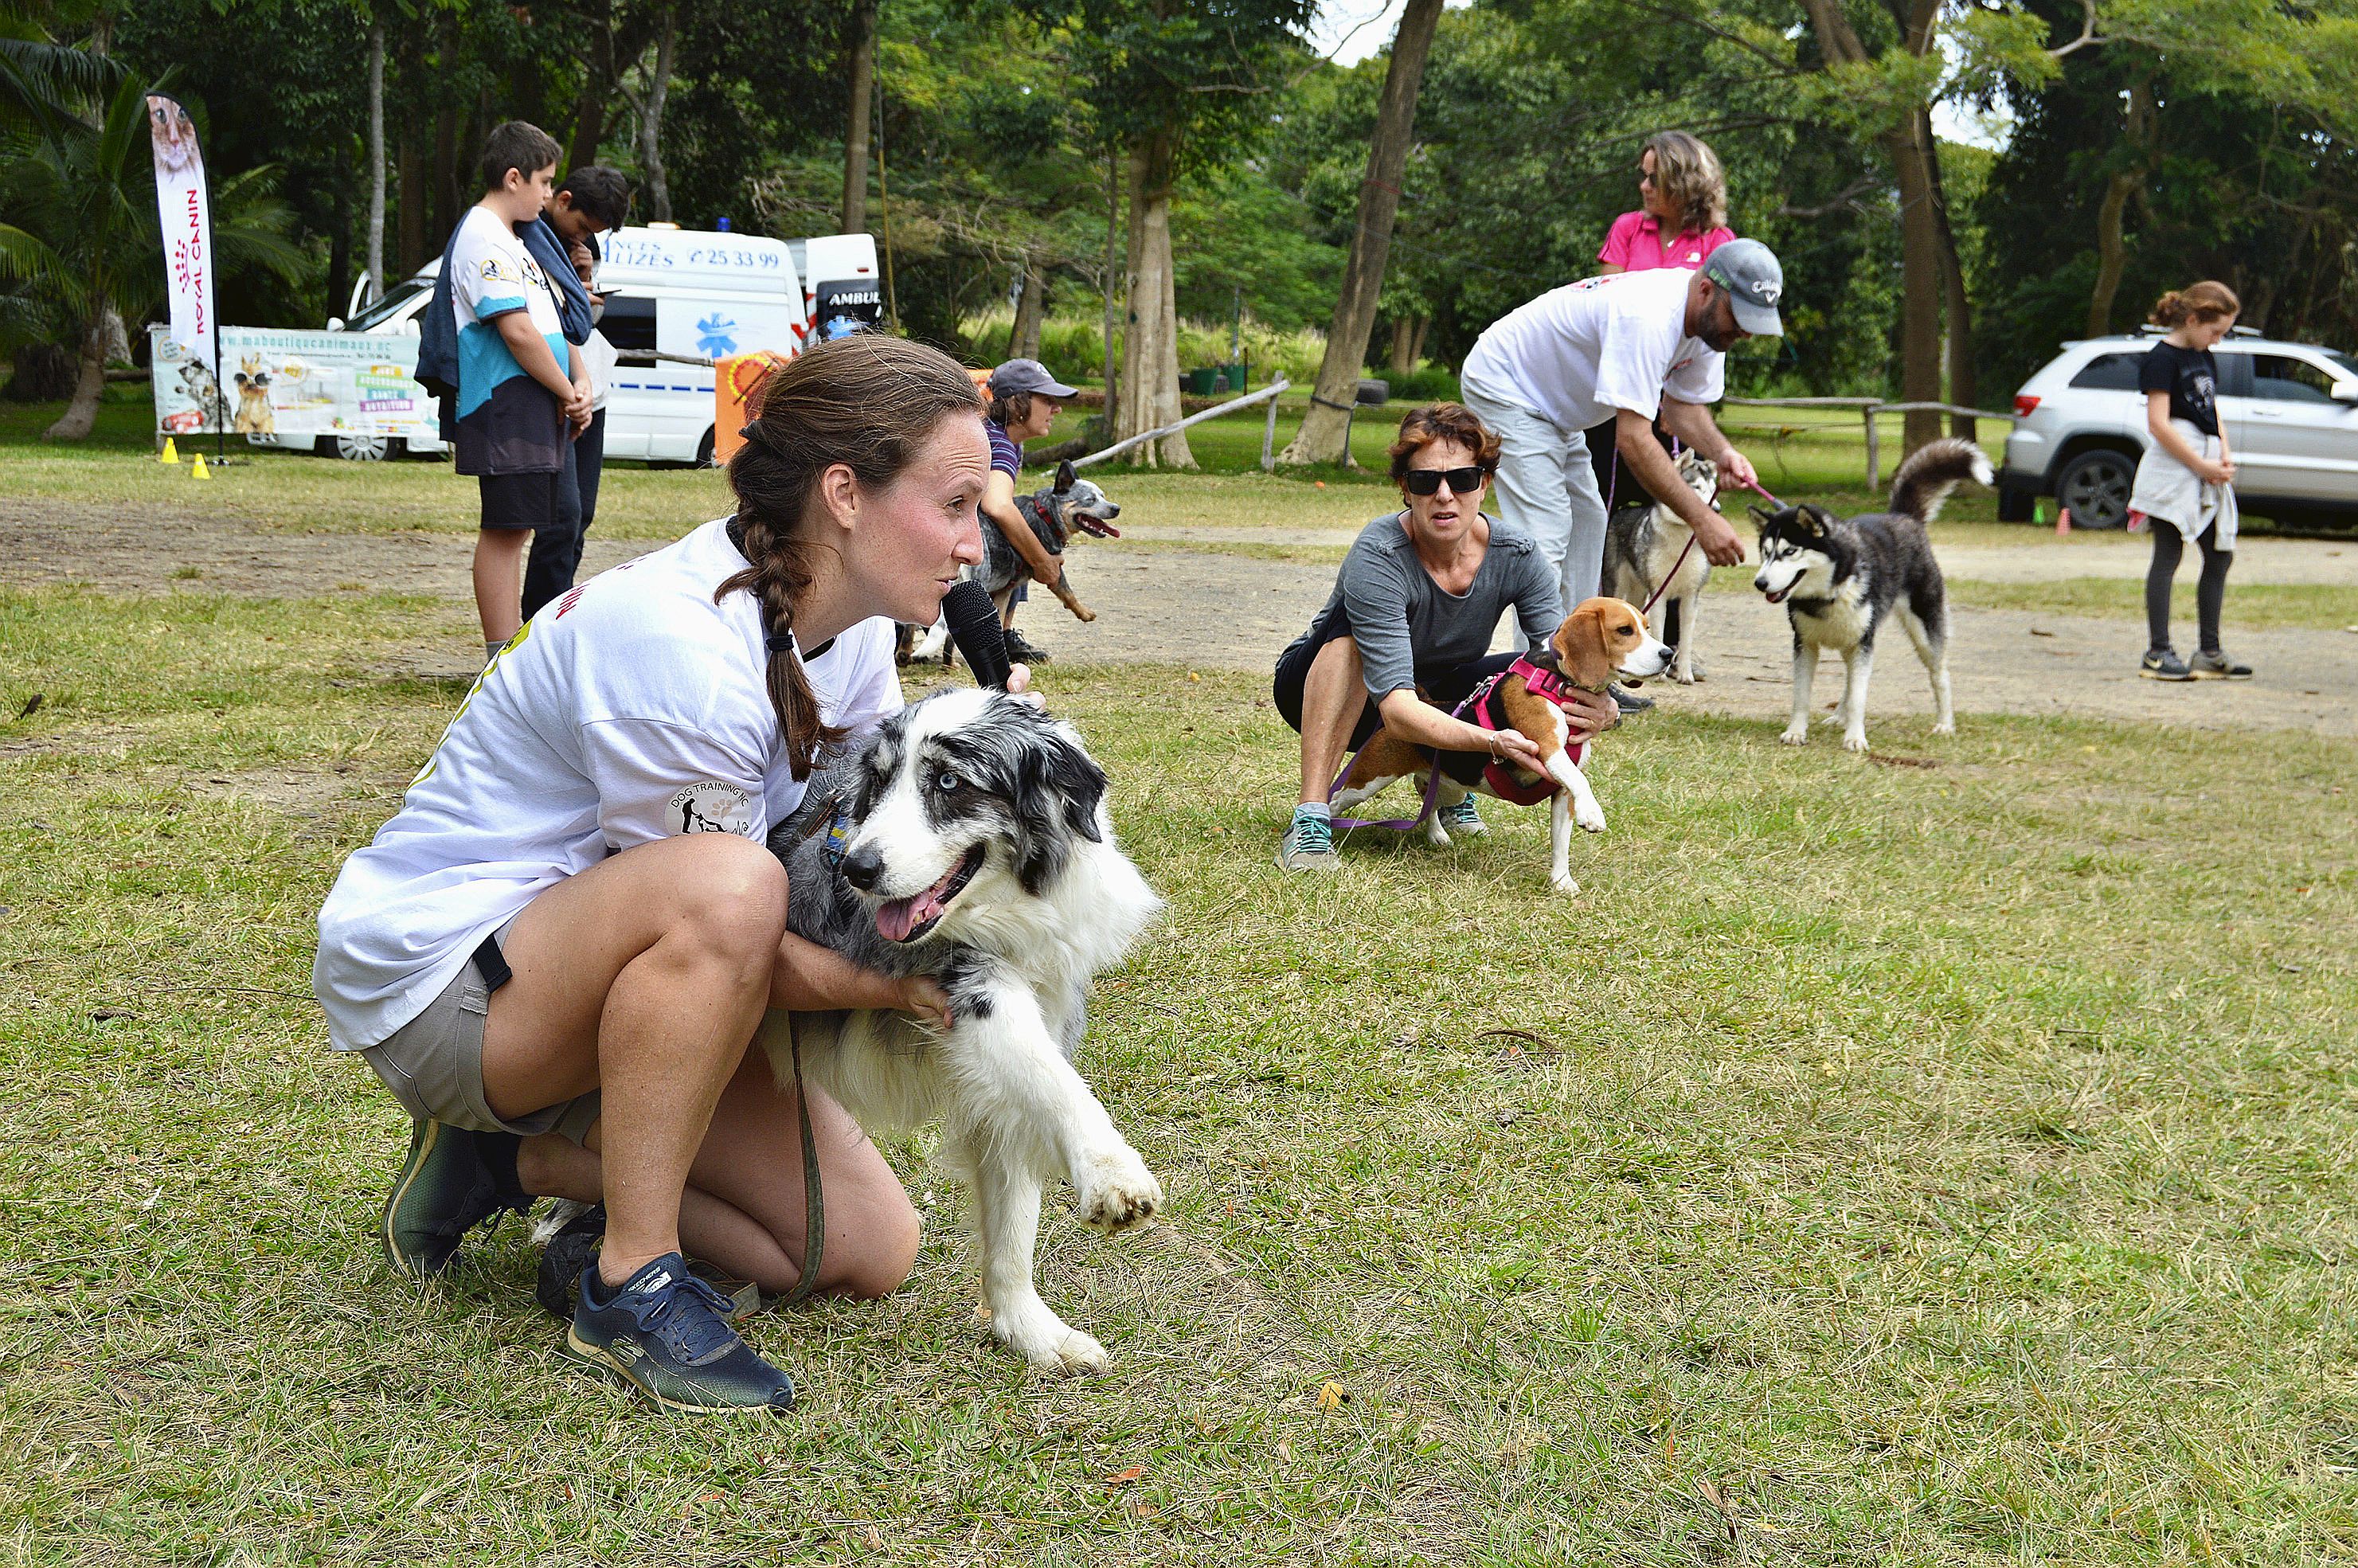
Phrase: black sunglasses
(1427, 482)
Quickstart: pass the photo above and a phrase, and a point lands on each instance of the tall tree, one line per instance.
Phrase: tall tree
(861, 96)
(649, 98)
(377, 154)
(1174, 82)
(1325, 429)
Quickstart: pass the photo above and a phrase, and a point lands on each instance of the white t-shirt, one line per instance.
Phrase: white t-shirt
(628, 710)
(598, 358)
(1577, 353)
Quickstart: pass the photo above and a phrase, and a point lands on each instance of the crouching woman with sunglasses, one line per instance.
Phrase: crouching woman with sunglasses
(1405, 636)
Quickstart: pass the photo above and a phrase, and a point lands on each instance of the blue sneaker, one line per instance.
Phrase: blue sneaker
(1308, 845)
(452, 1181)
(1462, 818)
(667, 1333)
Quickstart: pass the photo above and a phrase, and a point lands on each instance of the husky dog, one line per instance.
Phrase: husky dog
(1068, 503)
(967, 841)
(1646, 554)
(1838, 580)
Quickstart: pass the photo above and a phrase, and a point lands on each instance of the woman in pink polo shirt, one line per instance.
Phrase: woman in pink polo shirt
(1683, 213)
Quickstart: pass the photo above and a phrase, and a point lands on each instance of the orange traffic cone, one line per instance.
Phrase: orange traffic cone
(2062, 520)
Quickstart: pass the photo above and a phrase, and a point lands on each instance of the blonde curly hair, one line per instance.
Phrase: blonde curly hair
(1687, 173)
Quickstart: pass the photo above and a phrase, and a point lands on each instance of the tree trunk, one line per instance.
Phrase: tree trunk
(1326, 429)
(855, 126)
(1115, 283)
(1959, 306)
(1031, 313)
(376, 263)
(1920, 274)
(340, 251)
(1403, 356)
(597, 90)
(411, 171)
(2111, 251)
(651, 113)
(1150, 371)
(448, 203)
(89, 384)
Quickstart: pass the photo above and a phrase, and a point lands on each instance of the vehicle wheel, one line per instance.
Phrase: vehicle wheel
(704, 451)
(2095, 485)
(362, 448)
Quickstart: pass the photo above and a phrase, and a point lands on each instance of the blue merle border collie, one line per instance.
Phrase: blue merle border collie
(966, 839)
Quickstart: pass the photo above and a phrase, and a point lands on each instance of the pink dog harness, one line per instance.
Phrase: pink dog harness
(1502, 780)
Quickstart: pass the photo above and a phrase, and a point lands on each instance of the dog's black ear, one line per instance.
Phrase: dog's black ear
(1058, 793)
(1761, 514)
(1815, 520)
(1065, 475)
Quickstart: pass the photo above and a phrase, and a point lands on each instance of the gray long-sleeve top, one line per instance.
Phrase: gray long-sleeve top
(1407, 626)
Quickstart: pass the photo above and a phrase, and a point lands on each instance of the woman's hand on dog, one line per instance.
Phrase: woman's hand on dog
(1587, 714)
(1510, 746)
(923, 998)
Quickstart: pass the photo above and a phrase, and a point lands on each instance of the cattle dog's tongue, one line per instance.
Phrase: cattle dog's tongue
(897, 921)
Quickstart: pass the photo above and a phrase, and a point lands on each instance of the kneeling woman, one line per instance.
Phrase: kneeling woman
(557, 954)
(1406, 634)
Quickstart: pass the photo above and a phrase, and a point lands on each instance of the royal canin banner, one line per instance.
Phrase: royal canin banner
(185, 209)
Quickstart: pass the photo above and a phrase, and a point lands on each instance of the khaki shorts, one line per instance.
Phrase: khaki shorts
(434, 1066)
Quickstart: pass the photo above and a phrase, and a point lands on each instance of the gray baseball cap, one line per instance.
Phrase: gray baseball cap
(1027, 375)
(1749, 272)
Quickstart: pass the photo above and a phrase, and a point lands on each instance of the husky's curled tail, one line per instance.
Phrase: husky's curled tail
(1924, 481)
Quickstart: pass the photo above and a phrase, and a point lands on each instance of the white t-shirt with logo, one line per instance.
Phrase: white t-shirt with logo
(629, 710)
(1577, 353)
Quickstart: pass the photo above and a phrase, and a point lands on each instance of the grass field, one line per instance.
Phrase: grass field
(1938, 1158)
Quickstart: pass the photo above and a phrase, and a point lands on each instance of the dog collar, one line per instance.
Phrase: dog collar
(1541, 681)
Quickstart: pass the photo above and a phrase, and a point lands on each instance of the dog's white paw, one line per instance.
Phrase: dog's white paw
(1684, 677)
(1116, 1191)
(1589, 816)
(1436, 835)
(1855, 741)
(1946, 727)
(1561, 881)
(1050, 1345)
(1796, 733)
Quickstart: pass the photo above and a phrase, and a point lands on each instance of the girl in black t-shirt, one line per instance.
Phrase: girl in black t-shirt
(2183, 481)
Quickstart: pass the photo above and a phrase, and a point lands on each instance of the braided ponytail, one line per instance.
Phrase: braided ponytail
(868, 402)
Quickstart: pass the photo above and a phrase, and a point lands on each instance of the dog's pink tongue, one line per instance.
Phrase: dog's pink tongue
(895, 919)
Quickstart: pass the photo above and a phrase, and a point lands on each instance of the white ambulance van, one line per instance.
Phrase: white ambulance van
(696, 294)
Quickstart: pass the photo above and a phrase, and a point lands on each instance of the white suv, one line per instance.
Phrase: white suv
(2290, 411)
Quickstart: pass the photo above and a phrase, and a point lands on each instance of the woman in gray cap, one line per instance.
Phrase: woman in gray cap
(1025, 401)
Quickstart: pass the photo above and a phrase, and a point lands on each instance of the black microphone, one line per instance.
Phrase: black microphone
(974, 626)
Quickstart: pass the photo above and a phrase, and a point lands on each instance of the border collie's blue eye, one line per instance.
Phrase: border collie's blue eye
(947, 781)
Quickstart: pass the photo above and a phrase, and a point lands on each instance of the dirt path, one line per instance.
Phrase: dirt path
(1216, 611)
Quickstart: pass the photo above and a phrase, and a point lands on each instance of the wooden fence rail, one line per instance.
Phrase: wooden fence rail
(1869, 407)
(1268, 436)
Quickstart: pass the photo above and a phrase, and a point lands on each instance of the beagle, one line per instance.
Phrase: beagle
(1603, 641)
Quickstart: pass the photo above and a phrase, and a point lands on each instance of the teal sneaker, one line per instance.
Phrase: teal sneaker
(1462, 818)
(451, 1181)
(667, 1333)
(1309, 845)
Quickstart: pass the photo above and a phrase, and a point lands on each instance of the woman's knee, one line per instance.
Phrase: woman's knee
(875, 1249)
(730, 893)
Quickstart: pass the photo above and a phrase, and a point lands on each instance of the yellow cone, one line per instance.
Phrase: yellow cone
(200, 471)
(170, 454)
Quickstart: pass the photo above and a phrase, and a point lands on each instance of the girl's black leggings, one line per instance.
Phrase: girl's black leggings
(2209, 593)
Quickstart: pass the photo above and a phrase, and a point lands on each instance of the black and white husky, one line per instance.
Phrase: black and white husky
(968, 841)
(1648, 543)
(1840, 580)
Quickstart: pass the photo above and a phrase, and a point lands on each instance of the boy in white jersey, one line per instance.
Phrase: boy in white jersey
(523, 391)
